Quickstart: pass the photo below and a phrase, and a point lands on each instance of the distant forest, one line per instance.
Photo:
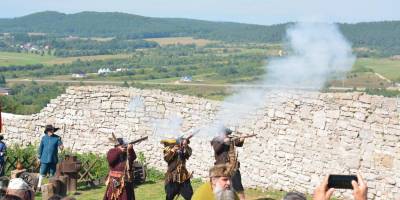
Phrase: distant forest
(381, 36)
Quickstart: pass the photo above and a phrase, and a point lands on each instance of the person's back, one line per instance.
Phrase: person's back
(295, 196)
(11, 197)
(55, 197)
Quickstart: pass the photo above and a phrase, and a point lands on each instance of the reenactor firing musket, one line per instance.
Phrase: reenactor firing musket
(225, 153)
(179, 140)
(132, 142)
(176, 152)
(121, 171)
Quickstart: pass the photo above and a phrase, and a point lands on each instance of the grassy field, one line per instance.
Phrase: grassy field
(9, 58)
(214, 93)
(155, 191)
(180, 40)
(361, 80)
(387, 67)
(86, 58)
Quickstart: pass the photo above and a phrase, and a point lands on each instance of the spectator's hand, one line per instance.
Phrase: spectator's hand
(62, 147)
(360, 189)
(322, 192)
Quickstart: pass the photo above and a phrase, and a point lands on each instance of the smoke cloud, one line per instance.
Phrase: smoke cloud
(135, 104)
(168, 128)
(315, 52)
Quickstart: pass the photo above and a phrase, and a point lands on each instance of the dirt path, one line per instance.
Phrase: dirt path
(382, 77)
(185, 84)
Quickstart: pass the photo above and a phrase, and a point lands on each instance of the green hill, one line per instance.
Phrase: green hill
(135, 26)
(381, 36)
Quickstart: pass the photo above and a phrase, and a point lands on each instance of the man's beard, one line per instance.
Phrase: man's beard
(223, 194)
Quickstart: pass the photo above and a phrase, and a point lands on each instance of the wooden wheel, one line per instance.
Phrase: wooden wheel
(30, 179)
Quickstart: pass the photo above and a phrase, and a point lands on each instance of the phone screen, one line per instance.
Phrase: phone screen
(341, 181)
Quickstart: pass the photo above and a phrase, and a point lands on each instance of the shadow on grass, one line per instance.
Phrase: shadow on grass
(87, 188)
(147, 182)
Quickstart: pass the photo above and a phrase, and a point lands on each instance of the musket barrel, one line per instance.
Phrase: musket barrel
(244, 136)
(139, 140)
(248, 136)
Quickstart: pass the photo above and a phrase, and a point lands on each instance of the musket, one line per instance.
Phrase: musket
(191, 135)
(181, 138)
(139, 140)
(132, 142)
(244, 136)
(114, 138)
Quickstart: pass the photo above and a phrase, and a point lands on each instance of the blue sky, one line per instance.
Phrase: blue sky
(246, 11)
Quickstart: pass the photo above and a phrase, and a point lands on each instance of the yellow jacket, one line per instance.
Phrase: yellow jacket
(205, 192)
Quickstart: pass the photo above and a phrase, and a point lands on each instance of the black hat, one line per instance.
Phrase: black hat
(50, 128)
(227, 131)
(120, 141)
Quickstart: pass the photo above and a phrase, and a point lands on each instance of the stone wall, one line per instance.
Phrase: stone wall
(302, 136)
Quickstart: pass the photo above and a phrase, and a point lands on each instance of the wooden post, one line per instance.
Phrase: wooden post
(60, 185)
(48, 191)
(72, 182)
(63, 189)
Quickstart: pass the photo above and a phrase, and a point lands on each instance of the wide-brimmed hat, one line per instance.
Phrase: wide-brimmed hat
(50, 128)
(227, 131)
(120, 141)
(220, 170)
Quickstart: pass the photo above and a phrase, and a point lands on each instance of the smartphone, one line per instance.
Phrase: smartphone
(341, 181)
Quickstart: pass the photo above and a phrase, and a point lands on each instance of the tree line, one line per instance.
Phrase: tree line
(380, 36)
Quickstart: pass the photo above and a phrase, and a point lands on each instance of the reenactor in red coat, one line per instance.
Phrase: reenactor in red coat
(120, 178)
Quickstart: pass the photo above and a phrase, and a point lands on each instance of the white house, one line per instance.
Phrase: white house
(79, 75)
(186, 79)
(103, 71)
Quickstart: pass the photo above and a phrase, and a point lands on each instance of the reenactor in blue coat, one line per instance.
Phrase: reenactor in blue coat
(48, 152)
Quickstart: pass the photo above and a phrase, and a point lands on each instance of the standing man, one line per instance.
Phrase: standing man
(225, 153)
(177, 178)
(120, 177)
(48, 152)
(3, 149)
